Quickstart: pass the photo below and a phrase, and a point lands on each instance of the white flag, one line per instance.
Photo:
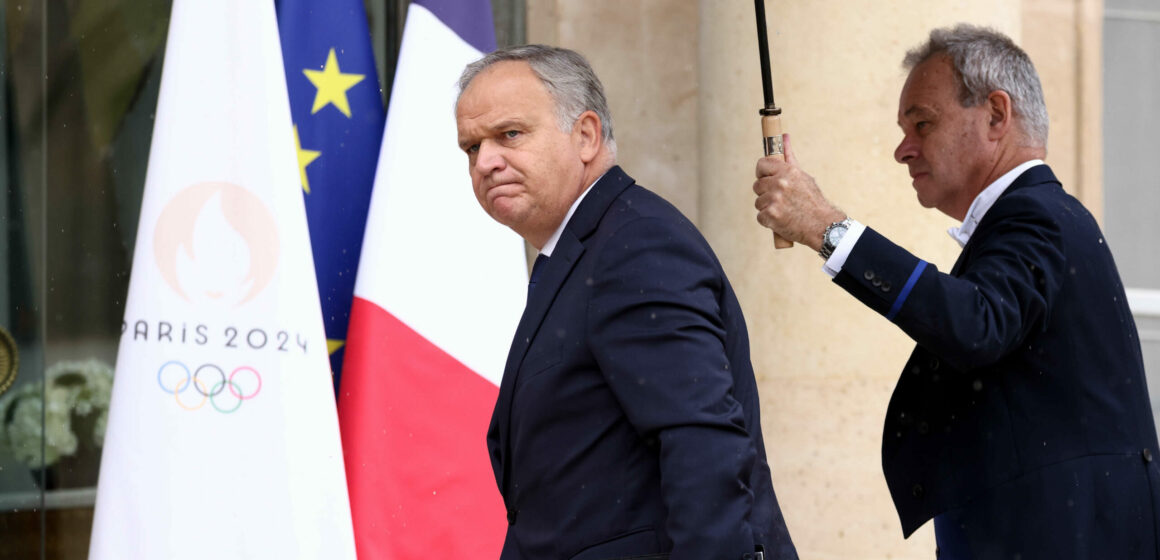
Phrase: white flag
(223, 438)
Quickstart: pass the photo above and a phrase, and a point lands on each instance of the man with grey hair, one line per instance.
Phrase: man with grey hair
(1021, 423)
(627, 423)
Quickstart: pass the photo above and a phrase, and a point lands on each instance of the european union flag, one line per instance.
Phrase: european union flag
(338, 115)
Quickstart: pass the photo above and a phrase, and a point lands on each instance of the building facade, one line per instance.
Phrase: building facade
(682, 76)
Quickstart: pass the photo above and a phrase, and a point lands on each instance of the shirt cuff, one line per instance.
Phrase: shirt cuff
(834, 264)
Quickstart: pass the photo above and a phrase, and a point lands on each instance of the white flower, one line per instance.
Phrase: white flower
(23, 427)
(72, 389)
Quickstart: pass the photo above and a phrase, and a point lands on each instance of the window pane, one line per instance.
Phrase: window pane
(1131, 86)
(1131, 168)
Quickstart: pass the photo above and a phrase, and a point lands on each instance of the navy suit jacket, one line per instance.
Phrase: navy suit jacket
(627, 423)
(1023, 413)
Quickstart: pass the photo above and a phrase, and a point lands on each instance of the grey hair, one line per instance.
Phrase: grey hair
(984, 61)
(566, 75)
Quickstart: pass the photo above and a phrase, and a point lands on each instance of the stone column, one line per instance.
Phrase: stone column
(645, 52)
(826, 364)
(1064, 39)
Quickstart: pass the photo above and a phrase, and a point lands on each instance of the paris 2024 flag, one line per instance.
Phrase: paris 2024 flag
(439, 293)
(223, 437)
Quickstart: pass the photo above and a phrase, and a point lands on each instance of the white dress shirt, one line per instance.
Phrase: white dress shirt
(550, 245)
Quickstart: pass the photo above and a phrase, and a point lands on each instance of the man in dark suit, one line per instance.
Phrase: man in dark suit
(1021, 423)
(627, 423)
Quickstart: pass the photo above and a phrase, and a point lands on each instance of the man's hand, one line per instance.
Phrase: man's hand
(789, 201)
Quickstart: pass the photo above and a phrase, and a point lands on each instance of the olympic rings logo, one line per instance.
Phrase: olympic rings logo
(242, 384)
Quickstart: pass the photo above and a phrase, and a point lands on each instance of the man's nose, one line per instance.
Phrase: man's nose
(906, 150)
(489, 158)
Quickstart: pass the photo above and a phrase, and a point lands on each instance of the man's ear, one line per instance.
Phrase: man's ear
(1001, 115)
(588, 133)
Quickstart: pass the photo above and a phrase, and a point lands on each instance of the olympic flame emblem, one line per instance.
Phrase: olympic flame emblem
(228, 243)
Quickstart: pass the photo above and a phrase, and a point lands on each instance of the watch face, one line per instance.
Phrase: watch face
(835, 235)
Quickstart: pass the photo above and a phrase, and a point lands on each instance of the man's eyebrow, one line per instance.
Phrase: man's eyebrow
(507, 124)
(913, 109)
(492, 128)
(466, 141)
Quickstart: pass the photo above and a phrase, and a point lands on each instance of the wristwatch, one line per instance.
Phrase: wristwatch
(833, 237)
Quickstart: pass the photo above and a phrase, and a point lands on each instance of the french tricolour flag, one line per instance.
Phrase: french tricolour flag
(439, 293)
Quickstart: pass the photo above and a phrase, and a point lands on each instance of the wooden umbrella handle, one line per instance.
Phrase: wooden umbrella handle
(771, 130)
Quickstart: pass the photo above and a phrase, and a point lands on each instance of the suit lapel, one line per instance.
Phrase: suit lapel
(1037, 175)
(564, 257)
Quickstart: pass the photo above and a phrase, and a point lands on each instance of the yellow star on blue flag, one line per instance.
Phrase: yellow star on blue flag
(332, 85)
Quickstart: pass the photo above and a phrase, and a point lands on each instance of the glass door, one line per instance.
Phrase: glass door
(80, 88)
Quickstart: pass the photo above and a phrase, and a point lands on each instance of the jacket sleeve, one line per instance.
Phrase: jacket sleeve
(1005, 291)
(654, 324)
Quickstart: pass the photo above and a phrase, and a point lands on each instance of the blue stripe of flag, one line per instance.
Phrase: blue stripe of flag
(470, 19)
(344, 148)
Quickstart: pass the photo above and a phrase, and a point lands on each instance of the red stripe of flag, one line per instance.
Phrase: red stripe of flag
(414, 425)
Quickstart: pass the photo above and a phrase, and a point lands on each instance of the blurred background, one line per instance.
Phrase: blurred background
(80, 81)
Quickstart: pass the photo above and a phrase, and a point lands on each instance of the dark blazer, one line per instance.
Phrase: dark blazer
(627, 423)
(1023, 414)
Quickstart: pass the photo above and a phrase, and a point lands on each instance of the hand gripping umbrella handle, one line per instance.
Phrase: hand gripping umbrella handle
(771, 130)
(770, 114)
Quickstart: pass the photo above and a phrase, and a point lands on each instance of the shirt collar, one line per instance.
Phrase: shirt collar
(551, 244)
(985, 200)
